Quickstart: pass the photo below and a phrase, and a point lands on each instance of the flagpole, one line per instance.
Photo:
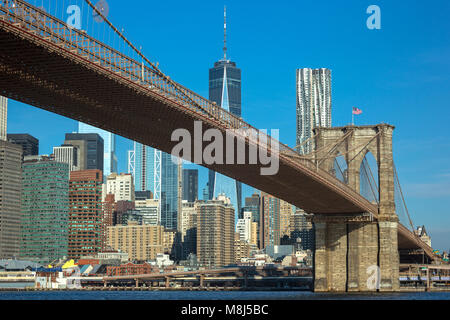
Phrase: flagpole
(353, 118)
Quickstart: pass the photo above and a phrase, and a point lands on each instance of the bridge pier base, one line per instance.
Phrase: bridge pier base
(388, 256)
(355, 256)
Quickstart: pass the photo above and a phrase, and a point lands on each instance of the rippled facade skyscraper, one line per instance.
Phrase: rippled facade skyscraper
(313, 104)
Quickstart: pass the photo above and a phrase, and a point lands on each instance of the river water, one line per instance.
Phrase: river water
(214, 295)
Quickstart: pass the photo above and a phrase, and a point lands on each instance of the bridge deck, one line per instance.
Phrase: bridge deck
(45, 64)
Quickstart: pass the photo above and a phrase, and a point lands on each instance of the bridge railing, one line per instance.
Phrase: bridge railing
(85, 47)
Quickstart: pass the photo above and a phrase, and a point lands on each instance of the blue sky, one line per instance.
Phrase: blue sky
(399, 75)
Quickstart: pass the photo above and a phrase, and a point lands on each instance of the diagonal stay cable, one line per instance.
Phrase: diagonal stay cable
(155, 68)
(403, 198)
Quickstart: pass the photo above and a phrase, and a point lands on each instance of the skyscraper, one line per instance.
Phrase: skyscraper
(215, 232)
(85, 213)
(121, 186)
(45, 210)
(141, 242)
(110, 158)
(155, 170)
(3, 117)
(67, 154)
(301, 231)
(30, 145)
(10, 199)
(225, 90)
(286, 211)
(169, 192)
(90, 147)
(270, 221)
(190, 185)
(143, 167)
(313, 105)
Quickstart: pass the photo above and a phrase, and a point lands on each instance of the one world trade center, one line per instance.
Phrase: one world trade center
(225, 90)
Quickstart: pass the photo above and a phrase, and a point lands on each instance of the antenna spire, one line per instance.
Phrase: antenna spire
(225, 33)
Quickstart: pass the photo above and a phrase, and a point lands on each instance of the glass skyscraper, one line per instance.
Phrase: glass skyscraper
(109, 139)
(190, 185)
(45, 211)
(144, 168)
(155, 171)
(169, 191)
(225, 90)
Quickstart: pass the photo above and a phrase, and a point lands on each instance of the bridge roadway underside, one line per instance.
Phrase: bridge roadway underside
(35, 71)
(42, 74)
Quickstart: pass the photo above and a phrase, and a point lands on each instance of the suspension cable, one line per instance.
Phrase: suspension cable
(403, 198)
(155, 68)
(368, 180)
(371, 175)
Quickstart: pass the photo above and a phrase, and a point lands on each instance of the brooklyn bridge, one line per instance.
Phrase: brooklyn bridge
(48, 64)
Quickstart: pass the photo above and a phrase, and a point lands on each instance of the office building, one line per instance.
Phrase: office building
(156, 171)
(109, 158)
(108, 210)
(270, 220)
(45, 210)
(206, 192)
(143, 195)
(169, 192)
(313, 105)
(121, 207)
(301, 231)
(30, 145)
(148, 210)
(247, 229)
(190, 185)
(252, 204)
(121, 186)
(90, 147)
(67, 154)
(143, 167)
(286, 211)
(189, 228)
(141, 242)
(3, 117)
(85, 213)
(241, 248)
(215, 232)
(225, 90)
(10, 199)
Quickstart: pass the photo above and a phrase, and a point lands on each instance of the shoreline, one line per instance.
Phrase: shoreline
(212, 289)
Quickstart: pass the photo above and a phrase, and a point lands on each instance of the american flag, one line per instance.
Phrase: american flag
(356, 110)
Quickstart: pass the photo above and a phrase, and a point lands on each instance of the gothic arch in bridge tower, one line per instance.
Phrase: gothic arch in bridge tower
(340, 169)
(346, 250)
(368, 178)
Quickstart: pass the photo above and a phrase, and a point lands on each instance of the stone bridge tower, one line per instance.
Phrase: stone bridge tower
(357, 254)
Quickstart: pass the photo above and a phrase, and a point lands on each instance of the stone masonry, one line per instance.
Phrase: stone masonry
(354, 254)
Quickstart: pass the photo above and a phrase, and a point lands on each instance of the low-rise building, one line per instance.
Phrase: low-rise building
(141, 242)
(130, 269)
(162, 261)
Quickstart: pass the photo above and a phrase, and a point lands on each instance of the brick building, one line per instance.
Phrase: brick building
(85, 213)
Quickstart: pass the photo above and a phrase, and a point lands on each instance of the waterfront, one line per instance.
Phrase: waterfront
(216, 295)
